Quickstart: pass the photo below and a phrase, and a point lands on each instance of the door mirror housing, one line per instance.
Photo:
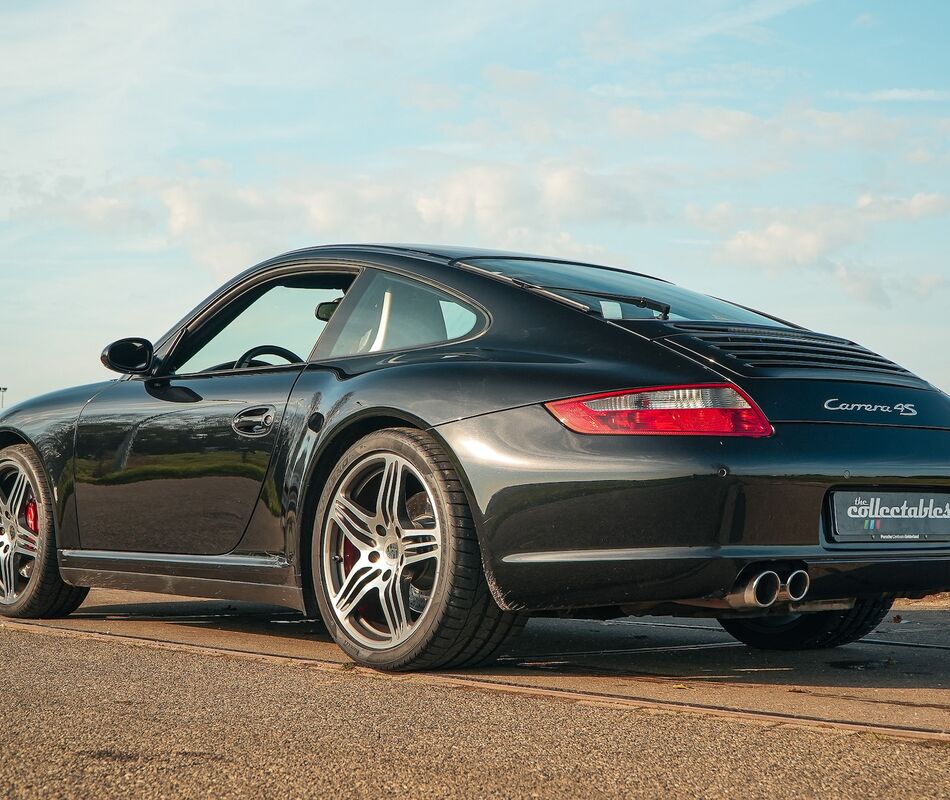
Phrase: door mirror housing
(132, 356)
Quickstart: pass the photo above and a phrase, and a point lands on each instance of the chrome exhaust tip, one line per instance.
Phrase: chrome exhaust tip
(760, 591)
(796, 586)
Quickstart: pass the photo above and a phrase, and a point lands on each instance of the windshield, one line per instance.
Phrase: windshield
(591, 285)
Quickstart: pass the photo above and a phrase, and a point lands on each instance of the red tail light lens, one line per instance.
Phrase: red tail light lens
(702, 410)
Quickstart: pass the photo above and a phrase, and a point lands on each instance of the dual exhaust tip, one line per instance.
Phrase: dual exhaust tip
(765, 588)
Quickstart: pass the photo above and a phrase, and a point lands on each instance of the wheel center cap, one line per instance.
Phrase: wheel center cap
(392, 551)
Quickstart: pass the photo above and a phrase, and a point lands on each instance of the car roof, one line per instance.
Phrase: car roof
(448, 254)
(443, 251)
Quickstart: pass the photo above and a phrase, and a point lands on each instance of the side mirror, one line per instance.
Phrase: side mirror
(325, 310)
(129, 356)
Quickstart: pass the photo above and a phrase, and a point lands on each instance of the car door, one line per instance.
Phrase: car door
(175, 462)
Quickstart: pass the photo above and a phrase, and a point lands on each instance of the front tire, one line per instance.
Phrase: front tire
(811, 631)
(397, 568)
(30, 583)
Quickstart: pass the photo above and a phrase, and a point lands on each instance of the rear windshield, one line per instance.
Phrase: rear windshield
(587, 284)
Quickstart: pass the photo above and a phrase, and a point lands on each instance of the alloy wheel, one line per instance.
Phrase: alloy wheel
(19, 531)
(381, 550)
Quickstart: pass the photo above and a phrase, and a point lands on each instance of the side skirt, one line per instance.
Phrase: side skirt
(260, 579)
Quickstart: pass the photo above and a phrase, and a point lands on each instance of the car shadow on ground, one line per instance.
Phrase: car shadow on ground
(908, 651)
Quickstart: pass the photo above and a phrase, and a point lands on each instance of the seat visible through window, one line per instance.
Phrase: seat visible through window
(394, 313)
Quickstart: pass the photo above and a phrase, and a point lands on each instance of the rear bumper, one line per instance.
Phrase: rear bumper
(572, 521)
(658, 575)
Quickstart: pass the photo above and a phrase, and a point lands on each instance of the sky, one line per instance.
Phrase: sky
(791, 156)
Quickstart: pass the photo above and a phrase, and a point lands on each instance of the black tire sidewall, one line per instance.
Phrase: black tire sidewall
(403, 444)
(46, 550)
(812, 630)
(792, 633)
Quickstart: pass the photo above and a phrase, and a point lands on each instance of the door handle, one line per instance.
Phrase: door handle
(256, 421)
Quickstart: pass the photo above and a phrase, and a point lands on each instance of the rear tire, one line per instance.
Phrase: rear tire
(38, 589)
(396, 563)
(811, 631)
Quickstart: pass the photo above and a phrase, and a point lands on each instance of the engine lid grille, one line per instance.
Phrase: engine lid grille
(766, 351)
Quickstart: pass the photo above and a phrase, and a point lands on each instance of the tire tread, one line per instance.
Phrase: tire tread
(816, 630)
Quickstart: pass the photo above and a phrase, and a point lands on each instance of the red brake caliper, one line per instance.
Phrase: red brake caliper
(32, 517)
(350, 555)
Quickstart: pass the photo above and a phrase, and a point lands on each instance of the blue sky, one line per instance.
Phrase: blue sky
(792, 156)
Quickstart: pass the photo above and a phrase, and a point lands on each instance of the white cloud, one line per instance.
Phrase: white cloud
(864, 284)
(874, 286)
(93, 88)
(607, 41)
(922, 204)
(146, 138)
(895, 96)
(720, 127)
(716, 217)
(225, 224)
(807, 236)
(532, 110)
(839, 129)
(716, 81)
(433, 97)
(928, 283)
(919, 155)
(779, 245)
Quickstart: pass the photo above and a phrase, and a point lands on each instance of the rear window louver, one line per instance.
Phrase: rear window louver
(765, 351)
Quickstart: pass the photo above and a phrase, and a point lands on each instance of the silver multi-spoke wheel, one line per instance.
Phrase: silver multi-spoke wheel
(397, 569)
(381, 550)
(19, 530)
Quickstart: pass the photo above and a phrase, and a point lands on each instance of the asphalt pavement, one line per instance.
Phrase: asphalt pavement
(149, 696)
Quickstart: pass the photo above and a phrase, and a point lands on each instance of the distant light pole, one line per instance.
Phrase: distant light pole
(3, 391)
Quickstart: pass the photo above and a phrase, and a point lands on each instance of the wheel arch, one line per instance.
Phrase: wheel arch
(57, 469)
(343, 436)
(10, 437)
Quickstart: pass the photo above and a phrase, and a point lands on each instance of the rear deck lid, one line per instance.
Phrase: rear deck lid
(853, 402)
(798, 375)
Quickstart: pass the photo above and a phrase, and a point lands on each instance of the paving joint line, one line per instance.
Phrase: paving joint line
(768, 718)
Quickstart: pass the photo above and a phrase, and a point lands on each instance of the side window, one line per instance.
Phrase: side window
(278, 320)
(459, 319)
(394, 313)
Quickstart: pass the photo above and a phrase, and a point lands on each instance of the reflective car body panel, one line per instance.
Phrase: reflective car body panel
(163, 455)
(569, 520)
(157, 490)
(48, 423)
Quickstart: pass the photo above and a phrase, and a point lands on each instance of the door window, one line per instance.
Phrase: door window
(279, 320)
(394, 313)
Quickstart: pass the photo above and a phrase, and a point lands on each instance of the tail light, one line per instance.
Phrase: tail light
(701, 410)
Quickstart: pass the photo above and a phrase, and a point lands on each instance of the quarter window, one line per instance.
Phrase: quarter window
(393, 313)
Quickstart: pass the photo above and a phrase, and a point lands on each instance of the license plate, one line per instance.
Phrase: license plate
(891, 517)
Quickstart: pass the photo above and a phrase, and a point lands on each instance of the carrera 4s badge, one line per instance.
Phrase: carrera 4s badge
(904, 409)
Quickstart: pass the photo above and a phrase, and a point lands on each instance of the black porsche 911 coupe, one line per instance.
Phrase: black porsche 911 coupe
(426, 445)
